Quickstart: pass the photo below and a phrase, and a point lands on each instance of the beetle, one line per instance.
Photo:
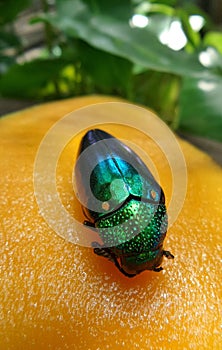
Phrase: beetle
(123, 201)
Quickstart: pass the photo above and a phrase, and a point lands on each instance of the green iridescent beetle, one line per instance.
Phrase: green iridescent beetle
(123, 201)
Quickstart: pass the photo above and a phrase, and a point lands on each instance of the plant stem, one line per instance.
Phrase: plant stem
(49, 42)
(48, 29)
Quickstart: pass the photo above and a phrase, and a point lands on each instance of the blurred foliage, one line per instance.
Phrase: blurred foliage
(95, 46)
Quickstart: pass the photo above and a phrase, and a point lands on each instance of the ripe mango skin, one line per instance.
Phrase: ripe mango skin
(57, 295)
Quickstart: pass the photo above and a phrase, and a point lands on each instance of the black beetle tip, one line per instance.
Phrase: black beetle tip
(93, 136)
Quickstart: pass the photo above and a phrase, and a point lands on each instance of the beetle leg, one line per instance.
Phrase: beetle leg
(88, 223)
(101, 251)
(106, 253)
(157, 269)
(167, 254)
(122, 270)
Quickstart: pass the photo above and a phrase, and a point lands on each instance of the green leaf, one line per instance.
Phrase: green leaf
(9, 9)
(164, 2)
(112, 77)
(115, 36)
(122, 10)
(147, 7)
(8, 39)
(201, 107)
(158, 23)
(118, 9)
(214, 39)
(211, 59)
(192, 36)
(160, 92)
(26, 80)
(5, 63)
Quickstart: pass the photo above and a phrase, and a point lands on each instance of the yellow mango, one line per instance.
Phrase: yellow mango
(58, 295)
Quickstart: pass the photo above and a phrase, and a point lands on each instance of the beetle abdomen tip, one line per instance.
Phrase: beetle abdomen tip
(92, 136)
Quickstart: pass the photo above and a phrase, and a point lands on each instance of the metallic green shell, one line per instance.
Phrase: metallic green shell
(136, 231)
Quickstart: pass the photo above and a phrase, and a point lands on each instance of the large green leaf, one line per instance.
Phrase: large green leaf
(110, 34)
(112, 77)
(201, 107)
(119, 9)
